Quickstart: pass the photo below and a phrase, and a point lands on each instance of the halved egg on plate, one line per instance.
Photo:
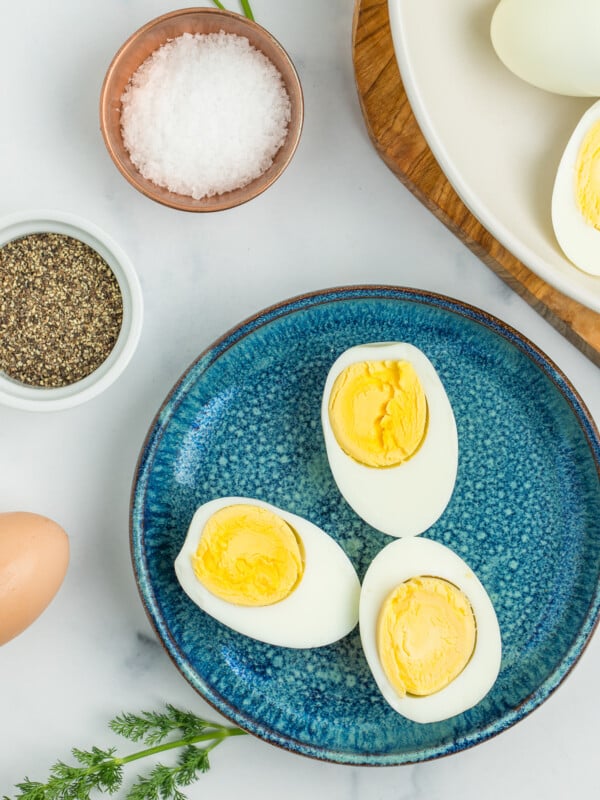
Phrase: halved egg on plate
(428, 629)
(576, 194)
(390, 436)
(268, 574)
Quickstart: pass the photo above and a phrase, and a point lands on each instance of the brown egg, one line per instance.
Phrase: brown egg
(34, 555)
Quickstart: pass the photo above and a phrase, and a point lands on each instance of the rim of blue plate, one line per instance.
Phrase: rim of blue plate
(235, 335)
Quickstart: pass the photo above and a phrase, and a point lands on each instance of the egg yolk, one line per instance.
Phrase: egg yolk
(425, 635)
(249, 556)
(587, 176)
(378, 412)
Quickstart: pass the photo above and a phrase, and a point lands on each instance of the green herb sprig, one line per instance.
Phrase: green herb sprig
(102, 770)
(245, 8)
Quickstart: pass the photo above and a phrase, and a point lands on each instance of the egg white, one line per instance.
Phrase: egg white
(407, 499)
(579, 240)
(408, 558)
(552, 44)
(322, 608)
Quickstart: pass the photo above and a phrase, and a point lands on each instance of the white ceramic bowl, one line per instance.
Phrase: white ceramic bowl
(33, 398)
(498, 139)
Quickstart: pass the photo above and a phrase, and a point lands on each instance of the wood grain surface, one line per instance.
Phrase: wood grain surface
(400, 143)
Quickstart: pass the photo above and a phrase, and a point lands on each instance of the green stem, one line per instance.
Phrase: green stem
(215, 736)
(247, 9)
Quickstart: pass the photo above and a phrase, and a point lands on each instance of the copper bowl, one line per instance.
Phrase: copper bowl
(148, 39)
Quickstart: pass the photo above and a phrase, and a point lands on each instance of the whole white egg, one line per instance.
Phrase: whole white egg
(321, 609)
(399, 562)
(579, 168)
(406, 499)
(552, 44)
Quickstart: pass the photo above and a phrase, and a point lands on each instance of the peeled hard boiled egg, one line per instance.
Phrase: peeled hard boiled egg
(576, 194)
(428, 630)
(268, 574)
(390, 436)
(34, 555)
(552, 44)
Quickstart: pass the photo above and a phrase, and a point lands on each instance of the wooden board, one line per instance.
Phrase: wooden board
(400, 143)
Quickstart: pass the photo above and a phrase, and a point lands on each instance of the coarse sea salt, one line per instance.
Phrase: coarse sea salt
(205, 114)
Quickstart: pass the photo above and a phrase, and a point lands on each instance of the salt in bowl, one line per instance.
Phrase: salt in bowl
(150, 38)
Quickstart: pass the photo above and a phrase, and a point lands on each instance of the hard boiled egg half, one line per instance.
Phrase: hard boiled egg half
(552, 44)
(576, 194)
(390, 436)
(268, 574)
(428, 630)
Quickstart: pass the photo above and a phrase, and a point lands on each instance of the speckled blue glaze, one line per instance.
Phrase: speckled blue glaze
(525, 514)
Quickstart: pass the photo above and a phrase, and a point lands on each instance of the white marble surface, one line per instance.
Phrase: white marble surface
(337, 216)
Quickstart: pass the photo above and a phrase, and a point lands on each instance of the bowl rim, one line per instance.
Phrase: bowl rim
(226, 200)
(35, 398)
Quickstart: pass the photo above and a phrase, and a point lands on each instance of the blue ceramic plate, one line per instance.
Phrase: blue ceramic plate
(525, 514)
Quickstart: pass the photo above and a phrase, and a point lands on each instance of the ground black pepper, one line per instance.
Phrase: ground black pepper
(61, 309)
